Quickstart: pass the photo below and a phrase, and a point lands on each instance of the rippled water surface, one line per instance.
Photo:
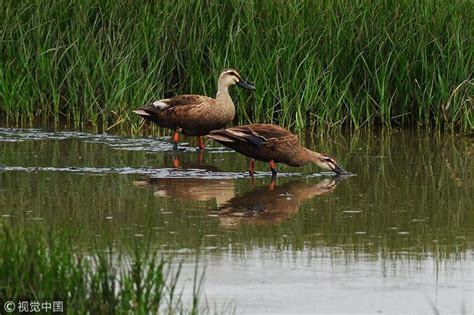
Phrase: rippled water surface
(395, 238)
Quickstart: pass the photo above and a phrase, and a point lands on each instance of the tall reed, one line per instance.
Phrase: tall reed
(315, 63)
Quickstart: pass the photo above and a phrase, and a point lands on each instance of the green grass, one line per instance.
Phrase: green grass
(39, 267)
(317, 64)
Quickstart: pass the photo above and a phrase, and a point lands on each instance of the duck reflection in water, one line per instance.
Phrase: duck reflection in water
(191, 189)
(190, 160)
(273, 204)
(261, 205)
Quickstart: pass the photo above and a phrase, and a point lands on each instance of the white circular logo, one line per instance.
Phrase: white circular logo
(9, 306)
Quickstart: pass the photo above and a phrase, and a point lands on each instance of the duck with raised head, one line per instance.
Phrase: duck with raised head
(272, 144)
(196, 115)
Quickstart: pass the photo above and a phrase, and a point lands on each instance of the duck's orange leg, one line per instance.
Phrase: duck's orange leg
(175, 140)
(252, 167)
(273, 167)
(201, 144)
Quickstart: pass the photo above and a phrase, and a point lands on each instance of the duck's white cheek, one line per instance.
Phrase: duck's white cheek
(324, 165)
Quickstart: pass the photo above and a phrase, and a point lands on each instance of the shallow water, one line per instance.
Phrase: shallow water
(395, 238)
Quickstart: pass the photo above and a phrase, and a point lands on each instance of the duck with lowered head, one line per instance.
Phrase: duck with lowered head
(273, 144)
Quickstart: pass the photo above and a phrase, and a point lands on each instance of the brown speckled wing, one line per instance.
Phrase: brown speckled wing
(185, 111)
(190, 100)
(274, 134)
(177, 102)
(263, 142)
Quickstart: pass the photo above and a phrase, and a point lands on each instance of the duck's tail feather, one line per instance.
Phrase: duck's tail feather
(234, 135)
(141, 112)
(219, 137)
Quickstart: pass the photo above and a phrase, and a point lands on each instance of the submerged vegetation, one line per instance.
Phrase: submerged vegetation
(314, 63)
(35, 267)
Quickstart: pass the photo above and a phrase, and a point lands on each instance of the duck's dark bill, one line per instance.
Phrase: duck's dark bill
(340, 171)
(245, 85)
